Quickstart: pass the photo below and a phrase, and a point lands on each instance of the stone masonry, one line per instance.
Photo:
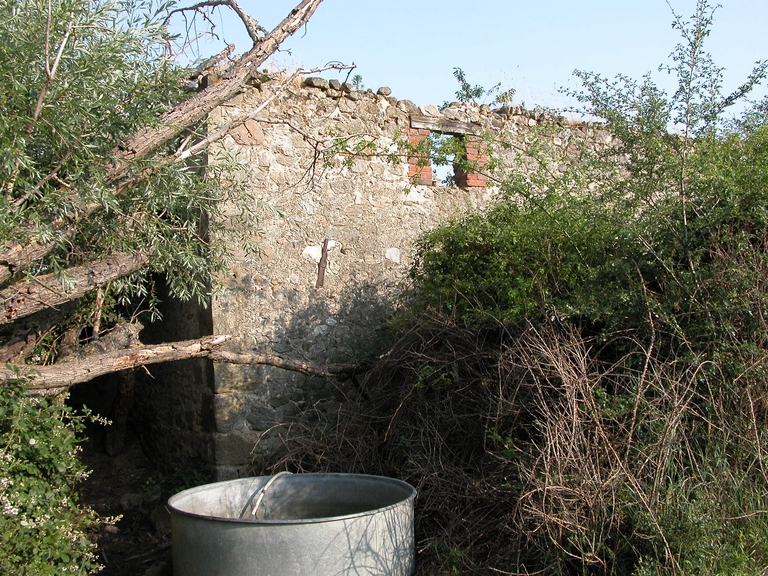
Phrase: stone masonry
(365, 208)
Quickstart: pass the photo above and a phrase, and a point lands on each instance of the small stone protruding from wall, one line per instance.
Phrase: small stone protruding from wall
(317, 82)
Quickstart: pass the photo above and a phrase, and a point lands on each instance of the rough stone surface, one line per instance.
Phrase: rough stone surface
(429, 110)
(315, 82)
(173, 404)
(369, 211)
(249, 133)
(130, 500)
(393, 255)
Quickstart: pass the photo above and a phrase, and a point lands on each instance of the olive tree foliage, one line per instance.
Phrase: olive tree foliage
(102, 169)
(103, 189)
(81, 76)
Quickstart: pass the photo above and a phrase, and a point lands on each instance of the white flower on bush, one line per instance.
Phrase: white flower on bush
(9, 510)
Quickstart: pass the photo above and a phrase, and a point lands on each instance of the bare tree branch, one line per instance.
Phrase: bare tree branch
(183, 153)
(191, 111)
(20, 256)
(255, 31)
(65, 374)
(26, 337)
(277, 361)
(212, 62)
(50, 71)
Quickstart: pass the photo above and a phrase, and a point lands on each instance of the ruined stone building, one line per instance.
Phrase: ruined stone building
(366, 209)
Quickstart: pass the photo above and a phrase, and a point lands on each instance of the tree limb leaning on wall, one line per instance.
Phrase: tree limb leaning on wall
(68, 373)
(48, 263)
(20, 256)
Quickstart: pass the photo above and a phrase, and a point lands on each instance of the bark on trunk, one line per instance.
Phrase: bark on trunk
(21, 256)
(39, 292)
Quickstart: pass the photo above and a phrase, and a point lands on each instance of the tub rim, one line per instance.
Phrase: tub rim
(292, 521)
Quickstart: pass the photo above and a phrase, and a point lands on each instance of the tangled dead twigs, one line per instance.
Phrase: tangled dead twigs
(531, 455)
(424, 413)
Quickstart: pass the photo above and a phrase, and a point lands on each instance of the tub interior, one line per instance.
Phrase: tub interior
(294, 497)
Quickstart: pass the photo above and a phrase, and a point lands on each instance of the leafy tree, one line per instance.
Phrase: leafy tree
(466, 92)
(102, 145)
(101, 189)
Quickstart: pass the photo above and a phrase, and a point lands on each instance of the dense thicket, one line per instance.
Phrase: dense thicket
(620, 348)
(578, 383)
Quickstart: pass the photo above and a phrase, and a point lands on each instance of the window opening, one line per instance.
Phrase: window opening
(453, 148)
(442, 158)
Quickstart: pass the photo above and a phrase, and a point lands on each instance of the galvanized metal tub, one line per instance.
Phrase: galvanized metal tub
(305, 524)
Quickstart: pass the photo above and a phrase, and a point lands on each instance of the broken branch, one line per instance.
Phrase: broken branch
(69, 373)
(37, 293)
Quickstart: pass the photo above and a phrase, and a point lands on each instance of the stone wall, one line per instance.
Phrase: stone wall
(173, 402)
(366, 210)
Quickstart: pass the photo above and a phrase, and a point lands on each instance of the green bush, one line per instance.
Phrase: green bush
(620, 348)
(604, 326)
(42, 528)
(614, 266)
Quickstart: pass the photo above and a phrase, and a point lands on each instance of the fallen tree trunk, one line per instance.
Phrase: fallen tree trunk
(69, 373)
(39, 292)
(19, 256)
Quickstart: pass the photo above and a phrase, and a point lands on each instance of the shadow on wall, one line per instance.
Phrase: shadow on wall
(235, 418)
(256, 406)
(169, 407)
(172, 410)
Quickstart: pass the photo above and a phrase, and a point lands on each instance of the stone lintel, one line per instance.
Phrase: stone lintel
(443, 125)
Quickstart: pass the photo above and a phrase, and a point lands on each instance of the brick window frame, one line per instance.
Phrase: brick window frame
(422, 126)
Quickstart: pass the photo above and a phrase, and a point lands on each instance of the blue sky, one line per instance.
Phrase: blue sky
(412, 46)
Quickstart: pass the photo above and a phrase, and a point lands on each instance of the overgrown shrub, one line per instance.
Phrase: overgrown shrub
(42, 528)
(578, 381)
